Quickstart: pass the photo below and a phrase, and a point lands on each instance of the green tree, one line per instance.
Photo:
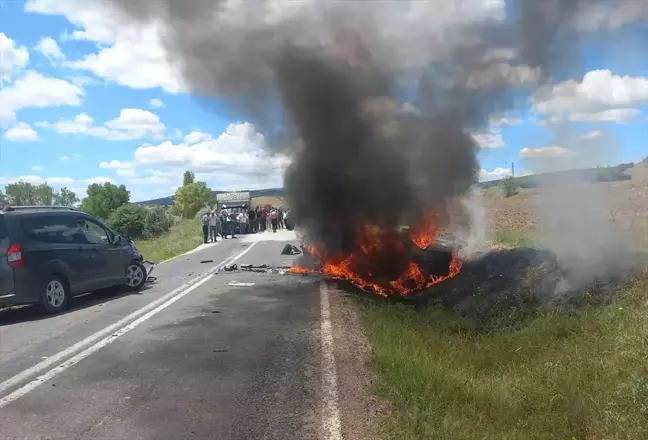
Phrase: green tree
(43, 194)
(188, 178)
(102, 200)
(65, 197)
(25, 193)
(191, 198)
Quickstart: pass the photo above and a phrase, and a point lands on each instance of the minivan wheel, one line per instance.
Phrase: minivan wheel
(135, 276)
(54, 296)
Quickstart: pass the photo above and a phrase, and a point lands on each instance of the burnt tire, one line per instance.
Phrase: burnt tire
(54, 295)
(136, 276)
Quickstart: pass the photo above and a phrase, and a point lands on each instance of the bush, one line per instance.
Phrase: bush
(528, 183)
(611, 175)
(509, 186)
(136, 221)
(129, 220)
(157, 221)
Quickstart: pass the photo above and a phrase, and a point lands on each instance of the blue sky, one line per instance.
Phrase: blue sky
(85, 99)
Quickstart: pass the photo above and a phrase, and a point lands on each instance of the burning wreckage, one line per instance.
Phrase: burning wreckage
(389, 263)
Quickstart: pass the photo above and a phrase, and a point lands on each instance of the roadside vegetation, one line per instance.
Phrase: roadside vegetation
(182, 237)
(539, 375)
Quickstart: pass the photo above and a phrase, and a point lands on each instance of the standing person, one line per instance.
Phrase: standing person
(264, 216)
(231, 224)
(281, 218)
(224, 224)
(204, 220)
(243, 222)
(251, 218)
(274, 219)
(288, 220)
(214, 223)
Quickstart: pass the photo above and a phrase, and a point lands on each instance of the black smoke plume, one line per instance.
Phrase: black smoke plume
(325, 79)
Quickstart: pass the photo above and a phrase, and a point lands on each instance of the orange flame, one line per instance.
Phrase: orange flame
(375, 248)
(424, 234)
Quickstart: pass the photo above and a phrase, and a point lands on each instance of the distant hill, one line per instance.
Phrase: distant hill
(270, 192)
(599, 174)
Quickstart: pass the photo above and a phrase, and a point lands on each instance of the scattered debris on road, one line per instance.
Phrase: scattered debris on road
(149, 266)
(207, 261)
(290, 249)
(237, 284)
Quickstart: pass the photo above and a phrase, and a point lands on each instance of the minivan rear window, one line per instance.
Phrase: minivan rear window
(52, 229)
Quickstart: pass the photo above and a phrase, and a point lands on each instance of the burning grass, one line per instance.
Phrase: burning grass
(490, 354)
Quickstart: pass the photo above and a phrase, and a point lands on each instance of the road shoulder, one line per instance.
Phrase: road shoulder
(361, 412)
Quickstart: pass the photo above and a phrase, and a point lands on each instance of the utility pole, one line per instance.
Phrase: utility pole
(513, 170)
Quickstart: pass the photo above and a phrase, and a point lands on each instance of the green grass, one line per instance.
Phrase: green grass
(183, 237)
(579, 377)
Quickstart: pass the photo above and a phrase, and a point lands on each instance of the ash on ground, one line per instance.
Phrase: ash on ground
(502, 288)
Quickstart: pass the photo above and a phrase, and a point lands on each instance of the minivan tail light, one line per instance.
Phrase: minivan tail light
(14, 256)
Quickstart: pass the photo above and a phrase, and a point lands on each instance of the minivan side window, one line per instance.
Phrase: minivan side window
(94, 233)
(4, 234)
(51, 229)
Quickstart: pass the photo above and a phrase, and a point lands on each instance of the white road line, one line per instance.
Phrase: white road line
(331, 413)
(115, 330)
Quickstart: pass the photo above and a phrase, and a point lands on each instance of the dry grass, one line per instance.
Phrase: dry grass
(628, 204)
(568, 374)
(263, 201)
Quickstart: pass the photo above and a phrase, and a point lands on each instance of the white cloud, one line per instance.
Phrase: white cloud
(49, 48)
(21, 132)
(489, 139)
(409, 108)
(594, 134)
(122, 169)
(134, 120)
(236, 156)
(37, 168)
(156, 103)
(132, 123)
(600, 96)
(544, 152)
(620, 115)
(503, 121)
(77, 185)
(611, 16)
(12, 57)
(504, 74)
(34, 90)
(64, 158)
(197, 136)
(496, 174)
(136, 60)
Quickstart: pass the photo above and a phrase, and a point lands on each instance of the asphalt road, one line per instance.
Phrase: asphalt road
(190, 357)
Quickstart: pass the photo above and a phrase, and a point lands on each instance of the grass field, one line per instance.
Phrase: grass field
(183, 237)
(548, 375)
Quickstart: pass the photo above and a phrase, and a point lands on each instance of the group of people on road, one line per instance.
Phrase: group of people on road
(260, 219)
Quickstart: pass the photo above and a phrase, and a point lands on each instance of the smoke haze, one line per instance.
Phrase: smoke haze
(321, 79)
